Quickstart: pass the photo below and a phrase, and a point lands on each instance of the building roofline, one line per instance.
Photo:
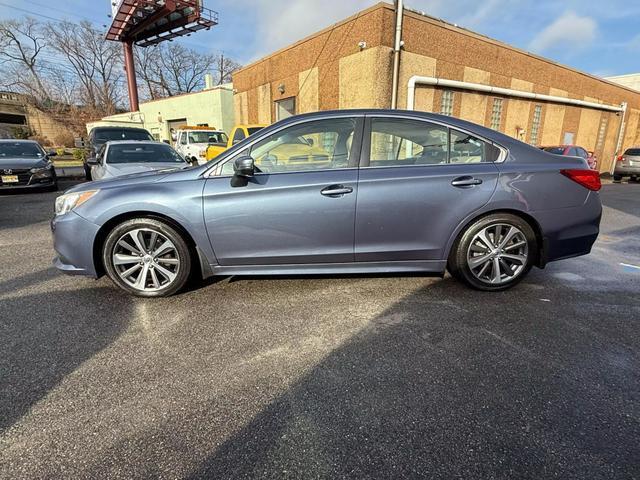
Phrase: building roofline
(311, 36)
(224, 86)
(441, 23)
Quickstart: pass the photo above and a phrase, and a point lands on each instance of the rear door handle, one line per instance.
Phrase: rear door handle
(335, 190)
(465, 181)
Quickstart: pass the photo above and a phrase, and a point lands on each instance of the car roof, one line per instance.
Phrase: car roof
(118, 127)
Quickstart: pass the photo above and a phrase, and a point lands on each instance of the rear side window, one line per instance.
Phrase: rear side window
(555, 150)
(399, 142)
(238, 136)
(633, 152)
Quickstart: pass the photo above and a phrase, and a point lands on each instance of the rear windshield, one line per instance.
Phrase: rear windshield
(21, 149)
(634, 152)
(103, 136)
(145, 153)
(554, 150)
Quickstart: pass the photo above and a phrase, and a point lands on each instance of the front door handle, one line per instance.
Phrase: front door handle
(335, 190)
(465, 181)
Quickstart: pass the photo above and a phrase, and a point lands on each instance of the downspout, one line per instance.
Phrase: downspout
(397, 46)
(620, 137)
(507, 92)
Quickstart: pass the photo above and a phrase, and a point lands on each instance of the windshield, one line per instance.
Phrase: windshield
(21, 149)
(145, 153)
(207, 137)
(554, 150)
(252, 130)
(103, 136)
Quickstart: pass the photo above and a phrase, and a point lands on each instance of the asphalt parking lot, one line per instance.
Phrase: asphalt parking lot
(321, 377)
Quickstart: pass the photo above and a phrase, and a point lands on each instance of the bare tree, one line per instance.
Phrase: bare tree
(224, 67)
(95, 62)
(21, 42)
(167, 70)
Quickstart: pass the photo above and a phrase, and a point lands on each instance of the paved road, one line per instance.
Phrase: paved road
(321, 377)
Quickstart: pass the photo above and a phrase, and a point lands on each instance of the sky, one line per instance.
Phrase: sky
(600, 37)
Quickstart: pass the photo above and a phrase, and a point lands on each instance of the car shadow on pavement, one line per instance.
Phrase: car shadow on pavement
(45, 337)
(504, 385)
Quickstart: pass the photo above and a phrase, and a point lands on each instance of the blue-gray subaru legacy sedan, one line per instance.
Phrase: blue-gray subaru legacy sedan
(337, 192)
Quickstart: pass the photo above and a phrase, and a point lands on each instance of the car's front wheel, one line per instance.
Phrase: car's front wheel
(147, 257)
(494, 253)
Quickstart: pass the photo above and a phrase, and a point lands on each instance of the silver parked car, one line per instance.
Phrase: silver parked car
(628, 165)
(118, 158)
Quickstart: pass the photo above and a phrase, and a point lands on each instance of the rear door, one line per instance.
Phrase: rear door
(418, 180)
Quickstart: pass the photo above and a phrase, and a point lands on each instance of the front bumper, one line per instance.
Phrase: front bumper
(31, 184)
(73, 239)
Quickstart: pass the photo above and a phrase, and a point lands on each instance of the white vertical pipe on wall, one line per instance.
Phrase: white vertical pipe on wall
(397, 46)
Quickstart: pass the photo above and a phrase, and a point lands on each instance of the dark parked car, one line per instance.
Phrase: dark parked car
(573, 151)
(628, 165)
(381, 191)
(25, 164)
(98, 136)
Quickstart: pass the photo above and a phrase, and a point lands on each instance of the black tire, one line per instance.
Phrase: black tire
(458, 264)
(183, 254)
(617, 178)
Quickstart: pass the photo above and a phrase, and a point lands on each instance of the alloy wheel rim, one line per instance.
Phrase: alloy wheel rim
(498, 253)
(145, 259)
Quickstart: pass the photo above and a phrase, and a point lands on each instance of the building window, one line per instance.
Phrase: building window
(285, 108)
(535, 126)
(446, 107)
(496, 114)
(602, 132)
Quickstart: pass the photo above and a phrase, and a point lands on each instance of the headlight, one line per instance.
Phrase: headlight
(46, 169)
(66, 203)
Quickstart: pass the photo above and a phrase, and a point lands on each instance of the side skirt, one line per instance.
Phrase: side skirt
(421, 266)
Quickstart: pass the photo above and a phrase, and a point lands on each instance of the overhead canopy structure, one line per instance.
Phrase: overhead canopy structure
(150, 22)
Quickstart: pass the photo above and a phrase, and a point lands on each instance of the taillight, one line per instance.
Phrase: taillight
(587, 178)
(620, 158)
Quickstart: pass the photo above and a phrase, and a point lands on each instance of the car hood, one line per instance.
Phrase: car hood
(147, 176)
(18, 163)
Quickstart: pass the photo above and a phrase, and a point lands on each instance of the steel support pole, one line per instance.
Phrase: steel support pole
(130, 68)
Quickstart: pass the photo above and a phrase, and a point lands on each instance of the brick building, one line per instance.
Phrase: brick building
(350, 65)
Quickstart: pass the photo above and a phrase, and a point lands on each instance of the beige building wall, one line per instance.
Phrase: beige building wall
(587, 135)
(553, 120)
(517, 118)
(308, 100)
(364, 79)
(473, 106)
(414, 64)
(264, 105)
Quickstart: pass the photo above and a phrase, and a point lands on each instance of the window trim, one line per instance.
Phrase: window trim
(356, 146)
(365, 155)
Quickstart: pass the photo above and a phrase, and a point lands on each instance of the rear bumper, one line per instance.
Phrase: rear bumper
(570, 232)
(621, 170)
(73, 239)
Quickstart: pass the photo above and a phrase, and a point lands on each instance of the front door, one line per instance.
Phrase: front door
(417, 182)
(300, 205)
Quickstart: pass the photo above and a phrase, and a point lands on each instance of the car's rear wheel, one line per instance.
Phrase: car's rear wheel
(147, 257)
(617, 178)
(494, 253)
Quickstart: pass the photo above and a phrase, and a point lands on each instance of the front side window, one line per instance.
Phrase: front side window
(314, 145)
(238, 136)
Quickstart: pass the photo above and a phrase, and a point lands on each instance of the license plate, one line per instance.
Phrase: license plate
(9, 178)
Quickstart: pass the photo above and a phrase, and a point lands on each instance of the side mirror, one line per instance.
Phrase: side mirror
(52, 153)
(244, 167)
(310, 141)
(92, 161)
